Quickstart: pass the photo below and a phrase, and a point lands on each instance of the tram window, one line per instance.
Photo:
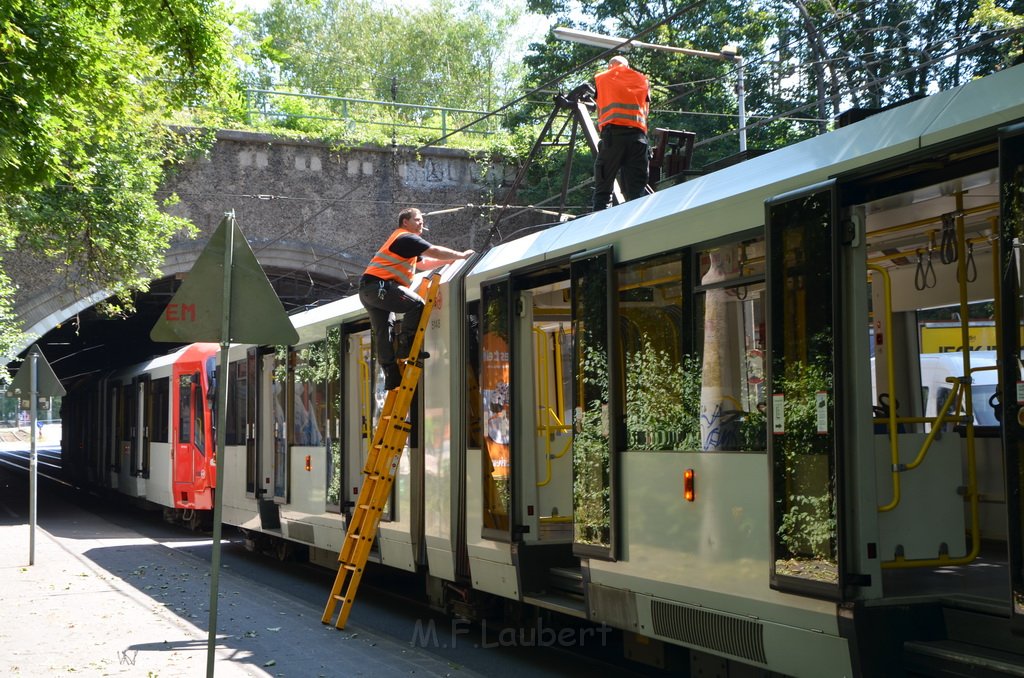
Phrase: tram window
(307, 404)
(659, 378)
(161, 394)
(185, 408)
(730, 397)
(332, 375)
(124, 413)
(496, 394)
(238, 394)
(199, 430)
(983, 398)
(473, 394)
(279, 398)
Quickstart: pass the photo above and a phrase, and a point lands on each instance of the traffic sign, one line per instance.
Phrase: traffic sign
(196, 313)
(47, 383)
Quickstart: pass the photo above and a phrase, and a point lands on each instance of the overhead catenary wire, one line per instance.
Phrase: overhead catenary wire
(760, 121)
(554, 81)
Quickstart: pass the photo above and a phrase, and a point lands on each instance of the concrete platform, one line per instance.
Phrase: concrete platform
(103, 600)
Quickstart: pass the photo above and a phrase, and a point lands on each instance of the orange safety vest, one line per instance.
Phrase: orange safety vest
(387, 266)
(622, 98)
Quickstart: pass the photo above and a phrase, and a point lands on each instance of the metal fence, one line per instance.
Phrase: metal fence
(291, 108)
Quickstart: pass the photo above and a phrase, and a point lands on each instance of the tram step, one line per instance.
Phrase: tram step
(566, 579)
(952, 658)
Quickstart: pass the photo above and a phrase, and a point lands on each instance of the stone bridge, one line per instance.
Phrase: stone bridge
(312, 213)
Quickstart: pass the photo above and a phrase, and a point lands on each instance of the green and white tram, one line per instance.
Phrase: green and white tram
(719, 418)
(692, 440)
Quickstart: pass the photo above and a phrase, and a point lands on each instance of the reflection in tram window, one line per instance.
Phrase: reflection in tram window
(238, 395)
(592, 443)
(497, 407)
(279, 383)
(185, 409)
(332, 375)
(309, 373)
(473, 396)
(803, 402)
(730, 301)
(706, 393)
(661, 383)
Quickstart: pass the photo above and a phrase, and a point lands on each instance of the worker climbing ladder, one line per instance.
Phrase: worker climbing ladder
(379, 474)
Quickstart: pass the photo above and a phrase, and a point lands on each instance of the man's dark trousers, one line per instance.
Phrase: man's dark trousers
(622, 148)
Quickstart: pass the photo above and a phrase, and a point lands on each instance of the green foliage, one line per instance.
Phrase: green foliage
(804, 62)
(334, 480)
(662, 400)
(442, 55)
(809, 526)
(808, 523)
(990, 17)
(591, 457)
(754, 430)
(85, 91)
(8, 319)
(316, 363)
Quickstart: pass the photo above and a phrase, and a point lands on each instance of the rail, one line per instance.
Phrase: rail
(387, 115)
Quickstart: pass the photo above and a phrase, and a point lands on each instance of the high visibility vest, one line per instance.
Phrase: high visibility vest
(621, 98)
(387, 266)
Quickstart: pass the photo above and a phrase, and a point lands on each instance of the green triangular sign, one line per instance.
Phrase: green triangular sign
(196, 313)
(47, 382)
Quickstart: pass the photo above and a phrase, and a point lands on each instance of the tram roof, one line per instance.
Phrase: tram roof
(314, 323)
(693, 211)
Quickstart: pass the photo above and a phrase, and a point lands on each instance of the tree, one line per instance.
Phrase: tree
(445, 55)
(86, 90)
(806, 59)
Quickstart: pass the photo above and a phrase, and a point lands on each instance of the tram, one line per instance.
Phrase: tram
(701, 417)
(146, 431)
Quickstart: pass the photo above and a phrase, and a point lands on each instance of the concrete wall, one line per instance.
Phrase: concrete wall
(303, 205)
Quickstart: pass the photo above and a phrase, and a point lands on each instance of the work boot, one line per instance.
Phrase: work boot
(392, 377)
(405, 348)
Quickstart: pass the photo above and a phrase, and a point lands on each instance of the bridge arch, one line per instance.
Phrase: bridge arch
(312, 213)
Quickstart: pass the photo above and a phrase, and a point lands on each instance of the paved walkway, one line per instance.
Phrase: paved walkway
(102, 600)
(18, 438)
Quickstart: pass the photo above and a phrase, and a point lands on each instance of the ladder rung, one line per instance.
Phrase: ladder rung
(392, 429)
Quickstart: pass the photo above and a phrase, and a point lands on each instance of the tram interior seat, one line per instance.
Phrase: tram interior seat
(935, 368)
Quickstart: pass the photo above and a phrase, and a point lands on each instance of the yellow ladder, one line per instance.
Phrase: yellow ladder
(381, 465)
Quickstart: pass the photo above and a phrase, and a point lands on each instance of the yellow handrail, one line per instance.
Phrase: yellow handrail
(972, 474)
(894, 450)
(547, 415)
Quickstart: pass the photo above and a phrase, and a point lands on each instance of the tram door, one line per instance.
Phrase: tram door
(363, 389)
(147, 393)
(1011, 177)
(595, 411)
(544, 375)
(189, 443)
(274, 452)
(804, 317)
